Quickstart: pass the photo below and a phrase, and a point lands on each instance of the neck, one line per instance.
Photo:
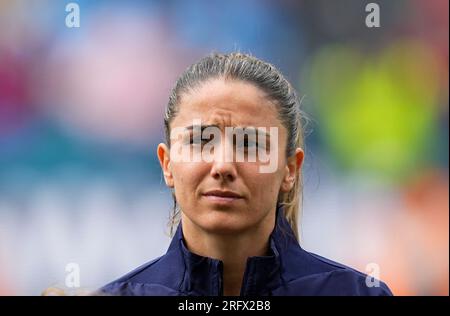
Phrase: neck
(232, 249)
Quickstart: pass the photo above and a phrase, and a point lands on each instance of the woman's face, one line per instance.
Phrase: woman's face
(222, 196)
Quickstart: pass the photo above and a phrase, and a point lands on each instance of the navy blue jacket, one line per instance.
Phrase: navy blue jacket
(287, 270)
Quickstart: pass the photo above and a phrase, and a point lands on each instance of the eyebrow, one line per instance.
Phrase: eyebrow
(202, 127)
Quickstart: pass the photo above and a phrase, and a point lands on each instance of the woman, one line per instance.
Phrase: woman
(238, 229)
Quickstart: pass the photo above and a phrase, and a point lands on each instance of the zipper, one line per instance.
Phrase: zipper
(244, 285)
(220, 278)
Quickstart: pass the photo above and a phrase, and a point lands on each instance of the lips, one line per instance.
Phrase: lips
(222, 198)
(223, 194)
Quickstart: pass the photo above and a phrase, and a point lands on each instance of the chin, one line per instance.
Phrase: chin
(223, 223)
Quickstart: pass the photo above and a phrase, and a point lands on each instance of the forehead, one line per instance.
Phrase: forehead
(227, 103)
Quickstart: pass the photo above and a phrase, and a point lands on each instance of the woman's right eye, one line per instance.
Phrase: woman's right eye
(196, 140)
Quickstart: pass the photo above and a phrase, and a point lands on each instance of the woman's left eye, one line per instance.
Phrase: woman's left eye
(246, 143)
(250, 143)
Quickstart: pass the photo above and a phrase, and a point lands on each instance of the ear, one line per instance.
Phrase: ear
(163, 154)
(293, 166)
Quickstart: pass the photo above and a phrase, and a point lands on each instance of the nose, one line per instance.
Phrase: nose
(223, 171)
(223, 168)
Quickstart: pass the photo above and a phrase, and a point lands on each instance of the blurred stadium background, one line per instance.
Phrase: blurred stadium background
(81, 115)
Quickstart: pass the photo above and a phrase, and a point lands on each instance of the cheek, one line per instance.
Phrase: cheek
(263, 186)
(187, 177)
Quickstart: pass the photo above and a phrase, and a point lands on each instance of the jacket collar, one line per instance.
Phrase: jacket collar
(203, 275)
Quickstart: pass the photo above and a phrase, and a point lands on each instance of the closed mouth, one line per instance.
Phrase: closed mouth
(223, 194)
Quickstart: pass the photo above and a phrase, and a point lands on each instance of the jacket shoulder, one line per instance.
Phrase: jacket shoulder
(161, 276)
(312, 274)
